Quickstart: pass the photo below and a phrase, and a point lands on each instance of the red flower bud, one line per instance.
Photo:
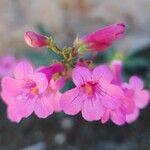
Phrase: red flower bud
(103, 38)
(35, 40)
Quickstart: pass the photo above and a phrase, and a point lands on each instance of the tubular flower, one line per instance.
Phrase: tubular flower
(93, 94)
(116, 67)
(56, 79)
(136, 97)
(102, 38)
(26, 93)
(35, 40)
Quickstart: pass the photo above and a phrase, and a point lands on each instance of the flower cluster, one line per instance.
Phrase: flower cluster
(99, 92)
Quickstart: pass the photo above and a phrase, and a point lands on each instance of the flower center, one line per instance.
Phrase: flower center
(57, 75)
(129, 92)
(34, 90)
(88, 88)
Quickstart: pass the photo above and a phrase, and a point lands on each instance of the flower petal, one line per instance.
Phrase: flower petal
(128, 105)
(24, 105)
(111, 96)
(130, 118)
(43, 107)
(80, 75)
(118, 117)
(56, 101)
(92, 109)
(142, 98)
(10, 89)
(41, 81)
(13, 115)
(102, 72)
(106, 116)
(71, 101)
(23, 70)
(136, 82)
(59, 84)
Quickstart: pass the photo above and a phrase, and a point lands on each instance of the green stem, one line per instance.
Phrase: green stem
(52, 45)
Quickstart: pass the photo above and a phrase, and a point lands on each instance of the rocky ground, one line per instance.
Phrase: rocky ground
(60, 132)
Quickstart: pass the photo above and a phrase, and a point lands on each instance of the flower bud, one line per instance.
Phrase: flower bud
(35, 40)
(116, 66)
(103, 38)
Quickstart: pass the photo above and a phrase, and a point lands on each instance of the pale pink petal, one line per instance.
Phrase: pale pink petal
(128, 105)
(24, 105)
(125, 86)
(41, 81)
(133, 117)
(142, 98)
(13, 115)
(136, 82)
(102, 72)
(92, 109)
(118, 117)
(43, 107)
(56, 101)
(23, 70)
(111, 96)
(10, 89)
(8, 98)
(22, 108)
(80, 75)
(105, 116)
(71, 101)
(11, 84)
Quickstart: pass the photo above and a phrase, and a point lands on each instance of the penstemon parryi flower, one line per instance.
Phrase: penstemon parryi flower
(99, 92)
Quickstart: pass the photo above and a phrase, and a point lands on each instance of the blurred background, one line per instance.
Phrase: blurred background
(66, 19)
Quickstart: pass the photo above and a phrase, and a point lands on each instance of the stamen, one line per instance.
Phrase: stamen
(89, 88)
(34, 90)
(56, 76)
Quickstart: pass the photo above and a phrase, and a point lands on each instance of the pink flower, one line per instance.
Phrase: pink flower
(103, 38)
(136, 97)
(93, 94)
(116, 67)
(53, 71)
(57, 80)
(35, 40)
(141, 95)
(128, 102)
(7, 64)
(26, 93)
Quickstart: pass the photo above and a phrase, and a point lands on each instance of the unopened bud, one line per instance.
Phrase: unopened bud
(35, 40)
